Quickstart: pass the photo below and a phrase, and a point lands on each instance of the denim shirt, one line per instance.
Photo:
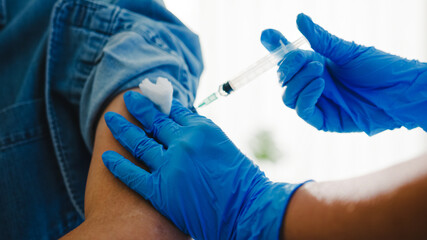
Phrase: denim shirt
(60, 64)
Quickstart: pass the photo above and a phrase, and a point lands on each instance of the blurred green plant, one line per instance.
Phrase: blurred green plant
(264, 147)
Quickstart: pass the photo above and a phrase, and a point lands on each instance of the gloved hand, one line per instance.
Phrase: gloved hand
(198, 178)
(346, 87)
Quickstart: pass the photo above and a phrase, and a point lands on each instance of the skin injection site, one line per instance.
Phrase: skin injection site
(217, 120)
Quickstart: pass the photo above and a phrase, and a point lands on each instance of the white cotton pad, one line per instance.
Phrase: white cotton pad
(160, 93)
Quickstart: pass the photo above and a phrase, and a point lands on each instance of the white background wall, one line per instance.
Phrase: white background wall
(229, 31)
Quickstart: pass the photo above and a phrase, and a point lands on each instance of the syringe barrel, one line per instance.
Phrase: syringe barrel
(262, 65)
(254, 71)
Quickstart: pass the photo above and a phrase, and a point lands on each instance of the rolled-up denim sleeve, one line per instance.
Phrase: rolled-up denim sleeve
(148, 49)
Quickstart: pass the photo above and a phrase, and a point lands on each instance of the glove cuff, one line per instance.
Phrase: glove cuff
(262, 217)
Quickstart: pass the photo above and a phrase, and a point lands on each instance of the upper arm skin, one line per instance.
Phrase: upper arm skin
(112, 208)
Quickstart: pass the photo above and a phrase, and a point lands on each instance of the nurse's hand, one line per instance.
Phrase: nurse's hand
(198, 178)
(346, 87)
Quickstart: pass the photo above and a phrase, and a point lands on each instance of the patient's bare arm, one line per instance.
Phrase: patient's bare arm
(389, 204)
(113, 210)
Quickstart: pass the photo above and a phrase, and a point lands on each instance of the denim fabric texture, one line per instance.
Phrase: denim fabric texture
(3, 16)
(60, 64)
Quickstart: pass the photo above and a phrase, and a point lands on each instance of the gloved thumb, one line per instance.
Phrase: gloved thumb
(328, 45)
(271, 39)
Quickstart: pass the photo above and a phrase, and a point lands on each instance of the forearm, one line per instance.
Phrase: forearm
(390, 204)
(110, 206)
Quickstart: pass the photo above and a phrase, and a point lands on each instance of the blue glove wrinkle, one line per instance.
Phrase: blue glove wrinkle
(332, 117)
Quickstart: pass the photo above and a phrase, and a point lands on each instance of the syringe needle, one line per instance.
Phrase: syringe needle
(208, 100)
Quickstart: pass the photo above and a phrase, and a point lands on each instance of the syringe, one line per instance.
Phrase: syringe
(253, 71)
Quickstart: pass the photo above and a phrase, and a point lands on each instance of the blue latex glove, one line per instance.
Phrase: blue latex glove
(345, 87)
(198, 179)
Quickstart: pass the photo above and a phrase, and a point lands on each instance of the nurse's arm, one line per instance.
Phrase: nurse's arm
(389, 204)
(112, 210)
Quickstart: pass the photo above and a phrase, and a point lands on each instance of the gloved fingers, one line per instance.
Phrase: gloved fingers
(290, 65)
(271, 39)
(183, 115)
(155, 123)
(179, 113)
(293, 62)
(306, 103)
(133, 176)
(328, 45)
(302, 79)
(135, 140)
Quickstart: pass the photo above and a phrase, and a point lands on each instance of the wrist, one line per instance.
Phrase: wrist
(263, 213)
